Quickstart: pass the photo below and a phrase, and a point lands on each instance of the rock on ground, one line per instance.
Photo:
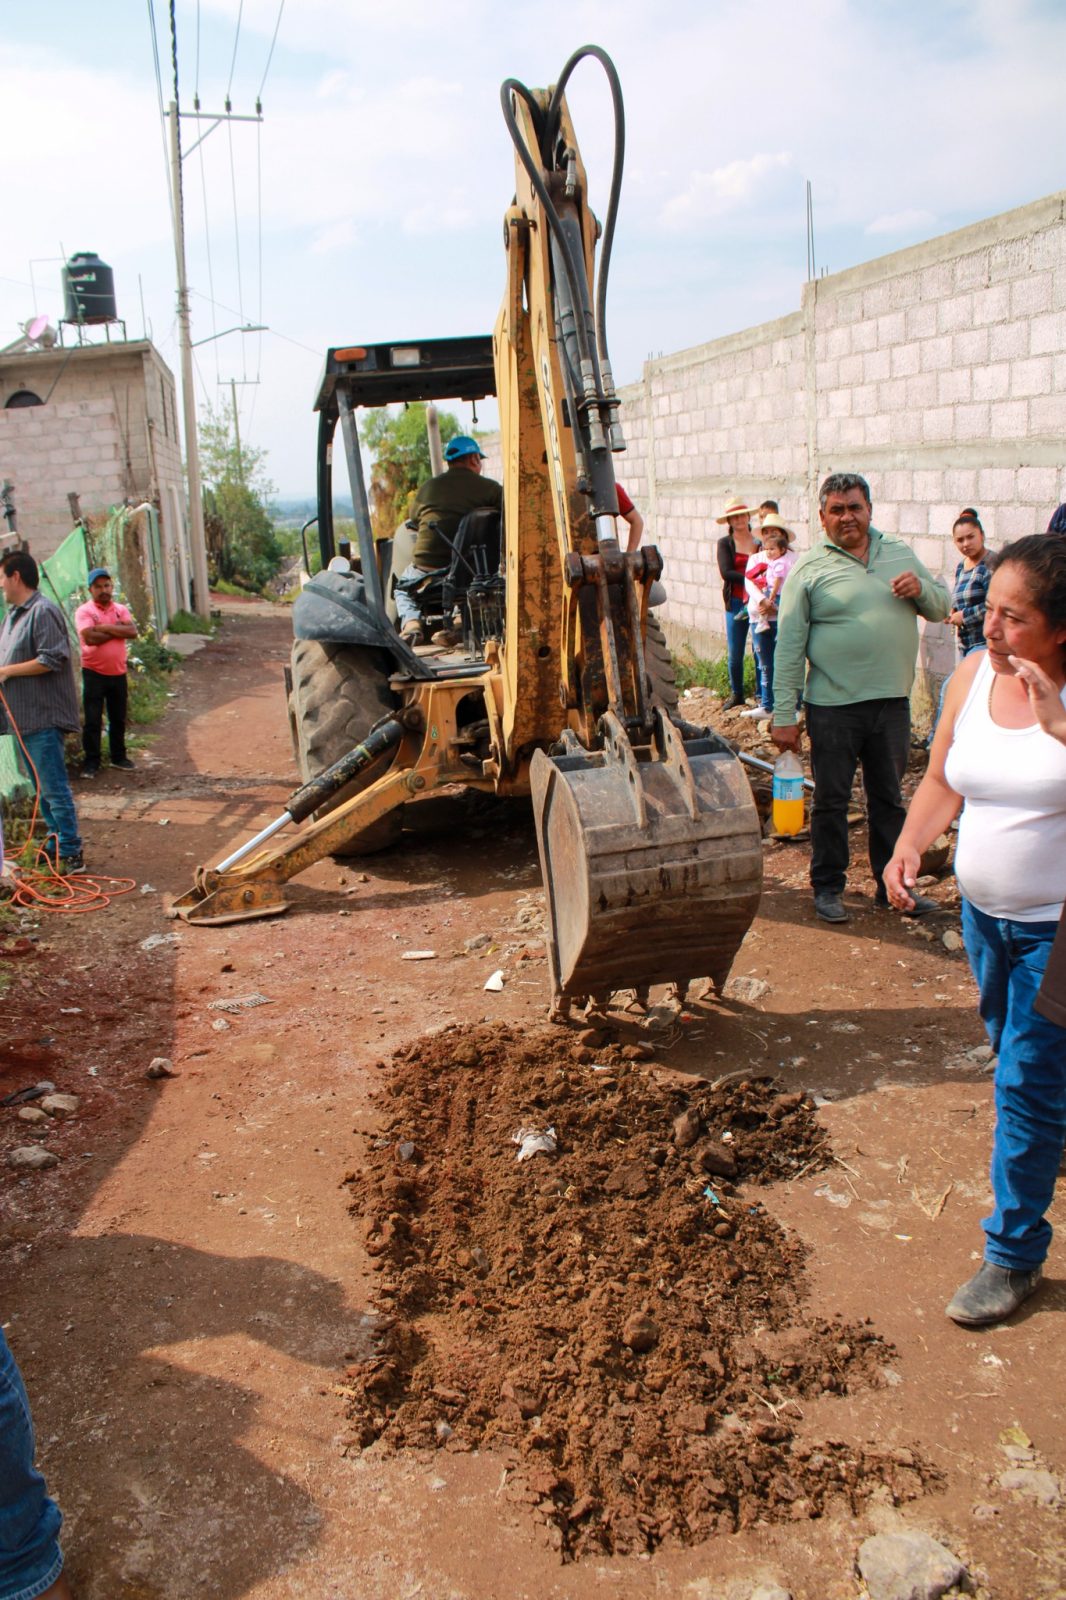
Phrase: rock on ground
(31, 1158)
(908, 1566)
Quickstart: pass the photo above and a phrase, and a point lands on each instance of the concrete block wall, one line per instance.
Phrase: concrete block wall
(109, 432)
(939, 372)
(47, 451)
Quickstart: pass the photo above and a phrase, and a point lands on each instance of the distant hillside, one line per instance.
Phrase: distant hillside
(293, 513)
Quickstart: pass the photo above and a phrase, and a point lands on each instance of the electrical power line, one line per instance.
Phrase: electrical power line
(270, 55)
(159, 94)
(233, 63)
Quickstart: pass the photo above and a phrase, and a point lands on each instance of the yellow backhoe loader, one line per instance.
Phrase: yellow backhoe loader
(649, 839)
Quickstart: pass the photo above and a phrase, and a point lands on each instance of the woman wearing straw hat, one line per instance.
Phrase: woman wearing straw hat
(735, 548)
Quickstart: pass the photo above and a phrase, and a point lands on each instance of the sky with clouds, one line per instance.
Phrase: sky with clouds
(368, 204)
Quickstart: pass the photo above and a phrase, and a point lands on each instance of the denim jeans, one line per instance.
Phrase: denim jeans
(736, 636)
(100, 689)
(875, 733)
(45, 749)
(764, 643)
(30, 1557)
(1008, 961)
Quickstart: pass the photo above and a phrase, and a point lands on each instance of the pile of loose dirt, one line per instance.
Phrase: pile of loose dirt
(621, 1313)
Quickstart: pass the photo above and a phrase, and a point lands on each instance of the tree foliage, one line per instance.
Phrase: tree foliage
(242, 543)
(400, 448)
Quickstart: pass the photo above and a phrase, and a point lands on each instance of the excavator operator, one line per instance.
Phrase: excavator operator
(438, 508)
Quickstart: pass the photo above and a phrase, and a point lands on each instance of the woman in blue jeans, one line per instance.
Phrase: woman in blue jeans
(31, 1562)
(733, 551)
(999, 755)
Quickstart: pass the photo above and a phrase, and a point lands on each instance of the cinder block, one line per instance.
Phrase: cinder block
(938, 424)
(852, 433)
(992, 304)
(876, 365)
(839, 402)
(1047, 414)
(1008, 341)
(913, 520)
(863, 337)
(1038, 484)
(971, 347)
(960, 486)
(1030, 377)
(995, 485)
(1031, 295)
(953, 386)
(891, 329)
(992, 382)
(937, 281)
(921, 391)
(1010, 259)
(1049, 247)
(920, 320)
(848, 307)
(878, 428)
(1058, 373)
(935, 353)
(941, 520)
(837, 343)
(1018, 521)
(1047, 334)
(850, 370)
(906, 359)
(972, 421)
(864, 400)
(955, 314)
(826, 375)
(971, 271)
(886, 514)
(927, 485)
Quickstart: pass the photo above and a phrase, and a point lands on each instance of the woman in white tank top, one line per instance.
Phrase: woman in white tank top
(999, 757)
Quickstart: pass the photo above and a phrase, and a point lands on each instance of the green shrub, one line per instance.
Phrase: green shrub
(189, 622)
(696, 672)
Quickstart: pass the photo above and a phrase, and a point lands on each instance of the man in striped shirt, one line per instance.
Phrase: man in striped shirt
(38, 698)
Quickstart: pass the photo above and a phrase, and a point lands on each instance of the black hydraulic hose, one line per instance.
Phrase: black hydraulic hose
(611, 72)
(578, 286)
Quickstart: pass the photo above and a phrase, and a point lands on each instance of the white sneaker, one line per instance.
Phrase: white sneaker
(756, 711)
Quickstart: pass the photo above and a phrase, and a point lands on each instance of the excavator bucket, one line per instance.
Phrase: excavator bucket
(652, 861)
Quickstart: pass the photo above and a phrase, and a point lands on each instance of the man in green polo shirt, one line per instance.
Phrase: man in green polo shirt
(849, 623)
(439, 506)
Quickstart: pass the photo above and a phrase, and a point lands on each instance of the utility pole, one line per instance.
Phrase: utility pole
(237, 431)
(201, 598)
(197, 536)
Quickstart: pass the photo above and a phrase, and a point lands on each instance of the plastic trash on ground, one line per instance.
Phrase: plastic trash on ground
(534, 1141)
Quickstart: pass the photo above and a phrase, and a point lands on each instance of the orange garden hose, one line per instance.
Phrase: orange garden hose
(42, 886)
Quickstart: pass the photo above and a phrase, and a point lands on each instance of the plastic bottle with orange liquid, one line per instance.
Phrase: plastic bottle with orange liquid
(788, 794)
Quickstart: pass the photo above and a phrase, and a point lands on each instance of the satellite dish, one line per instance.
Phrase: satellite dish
(35, 328)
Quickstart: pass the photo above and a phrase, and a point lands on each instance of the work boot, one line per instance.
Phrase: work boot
(992, 1295)
(732, 702)
(830, 907)
(446, 636)
(922, 906)
(69, 864)
(124, 764)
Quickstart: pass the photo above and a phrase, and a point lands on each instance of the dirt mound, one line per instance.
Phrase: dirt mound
(618, 1311)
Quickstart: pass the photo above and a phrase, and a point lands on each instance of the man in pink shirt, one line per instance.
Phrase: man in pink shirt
(103, 627)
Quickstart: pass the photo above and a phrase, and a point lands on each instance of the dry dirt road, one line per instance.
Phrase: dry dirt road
(187, 1288)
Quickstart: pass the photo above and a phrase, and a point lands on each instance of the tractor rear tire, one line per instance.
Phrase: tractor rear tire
(660, 665)
(338, 693)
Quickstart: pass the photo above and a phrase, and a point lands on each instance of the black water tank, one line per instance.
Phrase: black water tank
(88, 290)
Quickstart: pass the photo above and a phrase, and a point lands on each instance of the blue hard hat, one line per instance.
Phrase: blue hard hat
(462, 445)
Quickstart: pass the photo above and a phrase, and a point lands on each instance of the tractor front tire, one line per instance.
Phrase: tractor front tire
(338, 693)
(660, 665)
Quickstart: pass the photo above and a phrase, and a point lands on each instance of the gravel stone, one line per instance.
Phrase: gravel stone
(31, 1158)
(1035, 1482)
(60, 1105)
(908, 1566)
